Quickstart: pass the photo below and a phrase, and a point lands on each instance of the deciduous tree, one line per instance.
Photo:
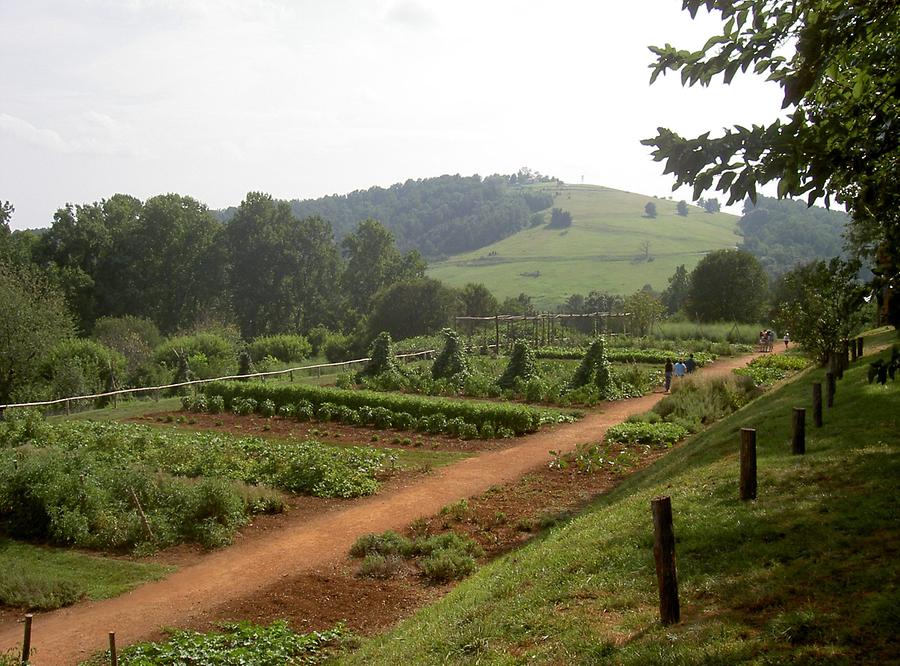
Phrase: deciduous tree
(33, 318)
(836, 62)
(727, 285)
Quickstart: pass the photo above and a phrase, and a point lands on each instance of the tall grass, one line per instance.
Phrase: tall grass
(714, 331)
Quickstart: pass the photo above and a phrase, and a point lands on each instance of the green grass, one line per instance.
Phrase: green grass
(42, 578)
(804, 574)
(601, 250)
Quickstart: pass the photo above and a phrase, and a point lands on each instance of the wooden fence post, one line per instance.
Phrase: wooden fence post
(817, 404)
(798, 436)
(113, 657)
(748, 463)
(664, 554)
(496, 335)
(853, 353)
(830, 387)
(26, 640)
(859, 347)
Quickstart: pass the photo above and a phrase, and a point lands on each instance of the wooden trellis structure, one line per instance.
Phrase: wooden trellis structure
(546, 326)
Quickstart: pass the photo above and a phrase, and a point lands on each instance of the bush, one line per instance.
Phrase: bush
(521, 365)
(209, 354)
(81, 367)
(243, 406)
(446, 565)
(285, 348)
(379, 566)
(386, 543)
(267, 408)
(697, 401)
(652, 434)
(452, 359)
(37, 593)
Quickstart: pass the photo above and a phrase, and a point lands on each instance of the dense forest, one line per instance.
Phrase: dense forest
(783, 233)
(436, 216)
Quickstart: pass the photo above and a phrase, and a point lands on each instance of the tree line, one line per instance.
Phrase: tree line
(438, 216)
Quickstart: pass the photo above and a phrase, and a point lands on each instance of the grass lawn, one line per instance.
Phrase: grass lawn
(807, 573)
(43, 578)
(603, 250)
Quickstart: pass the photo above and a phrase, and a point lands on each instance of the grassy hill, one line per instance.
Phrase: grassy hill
(806, 573)
(603, 249)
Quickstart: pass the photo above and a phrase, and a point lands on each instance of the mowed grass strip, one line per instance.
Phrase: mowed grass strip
(804, 574)
(43, 578)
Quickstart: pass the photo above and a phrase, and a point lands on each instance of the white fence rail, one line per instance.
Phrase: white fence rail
(272, 373)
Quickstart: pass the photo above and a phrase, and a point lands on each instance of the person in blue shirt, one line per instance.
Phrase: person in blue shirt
(680, 368)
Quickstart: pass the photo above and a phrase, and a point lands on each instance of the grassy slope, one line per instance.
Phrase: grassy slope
(38, 573)
(601, 250)
(805, 574)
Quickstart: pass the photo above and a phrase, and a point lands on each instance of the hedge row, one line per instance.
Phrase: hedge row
(517, 418)
(626, 355)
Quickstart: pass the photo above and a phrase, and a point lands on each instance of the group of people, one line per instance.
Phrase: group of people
(678, 369)
(767, 340)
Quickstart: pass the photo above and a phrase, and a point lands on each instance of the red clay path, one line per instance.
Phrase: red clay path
(70, 635)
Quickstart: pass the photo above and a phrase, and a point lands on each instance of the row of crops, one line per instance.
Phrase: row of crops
(461, 418)
(627, 355)
(128, 487)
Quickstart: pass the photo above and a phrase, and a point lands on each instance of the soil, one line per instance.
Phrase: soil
(296, 565)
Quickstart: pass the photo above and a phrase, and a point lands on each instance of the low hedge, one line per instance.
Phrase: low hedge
(516, 418)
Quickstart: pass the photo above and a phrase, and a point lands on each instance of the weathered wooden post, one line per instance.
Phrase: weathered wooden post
(830, 388)
(748, 463)
(798, 436)
(68, 407)
(292, 376)
(845, 355)
(853, 351)
(817, 404)
(26, 640)
(859, 347)
(496, 335)
(664, 554)
(113, 657)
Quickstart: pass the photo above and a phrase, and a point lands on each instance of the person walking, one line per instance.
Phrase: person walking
(787, 339)
(690, 364)
(680, 368)
(668, 372)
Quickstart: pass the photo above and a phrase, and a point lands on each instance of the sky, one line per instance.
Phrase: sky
(216, 98)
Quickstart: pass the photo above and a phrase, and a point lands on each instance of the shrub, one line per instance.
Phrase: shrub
(215, 404)
(521, 365)
(81, 367)
(285, 348)
(243, 406)
(379, 566)
(386, 543)
(446, 565)
(652, 434)
(210, 354)
(267, 408)
(452, 359)
(382, 358)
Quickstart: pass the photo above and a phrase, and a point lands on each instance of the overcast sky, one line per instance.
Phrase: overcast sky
(215, 98)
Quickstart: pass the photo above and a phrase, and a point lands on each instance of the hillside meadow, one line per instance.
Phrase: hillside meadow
(602, 250)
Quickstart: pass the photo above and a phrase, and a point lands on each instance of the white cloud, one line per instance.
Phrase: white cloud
(26, 132)
(411, 14)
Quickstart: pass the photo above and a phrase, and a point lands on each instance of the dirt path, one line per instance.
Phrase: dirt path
(72, 634)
